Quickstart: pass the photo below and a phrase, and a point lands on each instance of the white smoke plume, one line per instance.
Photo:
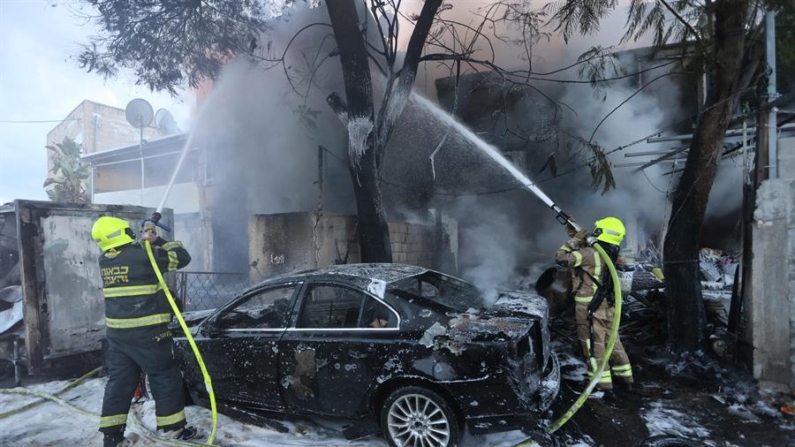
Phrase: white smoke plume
(263, 144)
(263, 138)
(641, 199)
(490, 240)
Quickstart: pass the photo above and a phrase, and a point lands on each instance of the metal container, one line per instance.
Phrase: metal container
(56, 264)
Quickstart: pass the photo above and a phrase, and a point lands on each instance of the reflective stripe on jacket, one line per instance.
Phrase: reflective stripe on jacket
(133, 295)
(573, 257)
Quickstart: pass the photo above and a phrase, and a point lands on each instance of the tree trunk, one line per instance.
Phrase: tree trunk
(686, 318)
(359, 115)
(396, 102)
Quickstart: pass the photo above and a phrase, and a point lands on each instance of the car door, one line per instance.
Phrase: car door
(333, 355)
(240, 346)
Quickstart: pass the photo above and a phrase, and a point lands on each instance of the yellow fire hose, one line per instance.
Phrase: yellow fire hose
(207, 381)
(36, 403)
(611, 342)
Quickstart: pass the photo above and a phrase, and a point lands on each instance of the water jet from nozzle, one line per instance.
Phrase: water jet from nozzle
(495, 155)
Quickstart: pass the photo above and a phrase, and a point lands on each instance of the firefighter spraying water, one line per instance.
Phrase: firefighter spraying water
(593, 297)
(137, 316)
(149, 227)
(139, 306)
(588, 239)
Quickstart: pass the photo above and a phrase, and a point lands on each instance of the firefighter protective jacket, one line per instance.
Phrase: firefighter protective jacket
(133, 296)
(579, 258)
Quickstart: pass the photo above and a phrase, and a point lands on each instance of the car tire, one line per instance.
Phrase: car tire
(411, 412)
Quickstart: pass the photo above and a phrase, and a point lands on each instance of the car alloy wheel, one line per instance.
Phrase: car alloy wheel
(420, 419)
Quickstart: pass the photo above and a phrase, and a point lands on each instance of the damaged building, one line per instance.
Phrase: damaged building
(266, 190)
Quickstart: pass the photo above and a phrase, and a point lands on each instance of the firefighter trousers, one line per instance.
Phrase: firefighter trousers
(619, 366)
(129, 351)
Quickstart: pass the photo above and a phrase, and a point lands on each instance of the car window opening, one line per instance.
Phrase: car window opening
(333, 307)
(267, 309)
(442, 289)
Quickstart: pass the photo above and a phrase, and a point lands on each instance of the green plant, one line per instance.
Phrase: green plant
(68, 173)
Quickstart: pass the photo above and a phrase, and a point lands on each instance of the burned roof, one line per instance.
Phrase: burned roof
(387, 273)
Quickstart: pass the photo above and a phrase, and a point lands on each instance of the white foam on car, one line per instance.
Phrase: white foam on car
(377, 288)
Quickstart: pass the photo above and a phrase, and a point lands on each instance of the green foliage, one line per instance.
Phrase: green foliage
(596, 65)
(68, 173)
(171, 42)
(684, 24)
(669, 21)
(601, 174)
(578, 16)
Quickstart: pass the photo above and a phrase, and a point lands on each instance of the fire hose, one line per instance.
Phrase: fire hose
(149, 225)
(36, 403)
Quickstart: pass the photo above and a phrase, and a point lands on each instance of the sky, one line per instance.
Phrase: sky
(41, 81)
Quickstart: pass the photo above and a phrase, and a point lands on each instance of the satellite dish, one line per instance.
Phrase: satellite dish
(139, 113)
(165, 122)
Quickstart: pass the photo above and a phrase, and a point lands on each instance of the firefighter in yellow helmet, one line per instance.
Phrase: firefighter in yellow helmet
(137, 314)
(593, 296)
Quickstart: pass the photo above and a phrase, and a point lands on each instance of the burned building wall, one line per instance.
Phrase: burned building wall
(288, 242)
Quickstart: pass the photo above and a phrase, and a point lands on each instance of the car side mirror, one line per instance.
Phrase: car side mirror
(210, 329)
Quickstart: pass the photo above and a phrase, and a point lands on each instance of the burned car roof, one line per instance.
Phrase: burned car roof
(386, 273)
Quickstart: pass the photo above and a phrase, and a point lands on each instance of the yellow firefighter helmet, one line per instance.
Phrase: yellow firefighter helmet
(610, 230)
(111, 232)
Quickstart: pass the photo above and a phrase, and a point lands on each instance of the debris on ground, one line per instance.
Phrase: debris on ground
(692, 401)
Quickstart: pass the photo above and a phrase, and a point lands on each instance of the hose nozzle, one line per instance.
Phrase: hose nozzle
(154, 221)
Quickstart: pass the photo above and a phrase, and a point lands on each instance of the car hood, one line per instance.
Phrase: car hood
(521, 304)
(510, 318)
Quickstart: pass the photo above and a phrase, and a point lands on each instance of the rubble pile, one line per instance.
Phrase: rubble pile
(718, 271)
(717, 268)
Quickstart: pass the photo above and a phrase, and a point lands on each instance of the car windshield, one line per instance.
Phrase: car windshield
(445, 290)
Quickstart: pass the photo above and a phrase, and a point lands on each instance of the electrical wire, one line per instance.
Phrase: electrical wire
(36, 121)
(653, 185)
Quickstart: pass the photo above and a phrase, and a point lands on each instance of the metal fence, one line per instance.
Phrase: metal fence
(208, 290)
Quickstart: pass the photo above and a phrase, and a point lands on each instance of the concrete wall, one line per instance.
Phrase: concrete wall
(770, 307)
(786, 158)
(98, 127)
(282, 243)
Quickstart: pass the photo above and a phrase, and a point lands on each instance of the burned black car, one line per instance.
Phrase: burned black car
(399, 347)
